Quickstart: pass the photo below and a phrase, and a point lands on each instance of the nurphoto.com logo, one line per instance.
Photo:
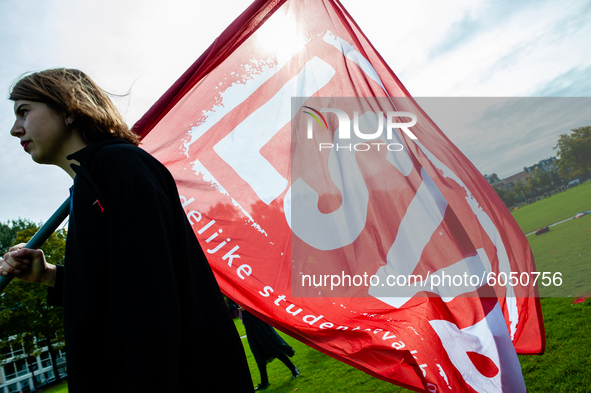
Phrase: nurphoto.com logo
(368, 130)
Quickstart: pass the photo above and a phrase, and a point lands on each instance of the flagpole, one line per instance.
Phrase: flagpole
(42, 235)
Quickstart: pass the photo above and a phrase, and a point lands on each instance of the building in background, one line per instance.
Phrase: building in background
(512, 180)
(509, 183)
(15, 370)
(546, 165)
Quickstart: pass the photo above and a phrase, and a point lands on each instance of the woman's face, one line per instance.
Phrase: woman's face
(42, 131)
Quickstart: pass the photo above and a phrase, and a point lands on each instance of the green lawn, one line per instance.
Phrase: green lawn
(563, 368)
(59, 388)
(319, 372)
(566, 249)
(556, 208)
(566, 365)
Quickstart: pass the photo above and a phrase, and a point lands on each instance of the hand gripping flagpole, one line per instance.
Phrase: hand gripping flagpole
(42, 235)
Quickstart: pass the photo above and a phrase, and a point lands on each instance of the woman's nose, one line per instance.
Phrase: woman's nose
(17, 129)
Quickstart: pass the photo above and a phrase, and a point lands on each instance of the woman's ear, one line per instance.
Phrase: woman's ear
(69, 121)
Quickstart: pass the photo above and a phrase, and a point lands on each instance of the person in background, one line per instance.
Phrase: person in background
(142, 309)
(266, 345)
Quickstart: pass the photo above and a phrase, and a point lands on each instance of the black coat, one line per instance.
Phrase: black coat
(263, 340)
(142, 309)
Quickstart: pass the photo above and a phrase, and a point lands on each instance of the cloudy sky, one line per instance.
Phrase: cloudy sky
(463, 48)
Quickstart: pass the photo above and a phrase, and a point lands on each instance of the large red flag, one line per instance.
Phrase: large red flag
(341, 237)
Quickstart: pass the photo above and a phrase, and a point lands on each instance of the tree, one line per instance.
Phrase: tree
(540, 181)
(9, 230)
(25, 317)
(575, 153)
(508, 197)
(556, 180)
(522, 191)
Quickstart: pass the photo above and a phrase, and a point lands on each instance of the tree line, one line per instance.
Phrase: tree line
(574, 162)
(25, 317)
(575, 153)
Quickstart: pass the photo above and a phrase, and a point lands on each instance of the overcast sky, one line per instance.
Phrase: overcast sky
(437, 48)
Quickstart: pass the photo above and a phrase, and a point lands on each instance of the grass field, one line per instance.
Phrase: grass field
(566, 249)
(563, 368)
(566, 365)
(59, 388)
(556, 208)
(319, 372)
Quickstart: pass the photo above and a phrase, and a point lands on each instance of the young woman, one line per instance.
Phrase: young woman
(142, 309)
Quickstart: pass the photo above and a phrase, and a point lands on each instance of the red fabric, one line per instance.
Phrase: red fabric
(222, 131)
(483, 364)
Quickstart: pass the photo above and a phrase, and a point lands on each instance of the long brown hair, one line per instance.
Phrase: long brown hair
(73, 93)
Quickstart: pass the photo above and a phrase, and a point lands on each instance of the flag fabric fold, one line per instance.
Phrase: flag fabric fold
(281, 219)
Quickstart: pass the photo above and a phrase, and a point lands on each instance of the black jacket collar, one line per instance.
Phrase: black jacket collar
(85, 155)
(83, 171)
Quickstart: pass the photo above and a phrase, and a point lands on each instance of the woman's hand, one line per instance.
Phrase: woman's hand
(28, 265)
